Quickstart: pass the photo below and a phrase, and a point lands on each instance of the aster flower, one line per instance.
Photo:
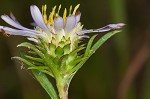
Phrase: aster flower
(55, 47)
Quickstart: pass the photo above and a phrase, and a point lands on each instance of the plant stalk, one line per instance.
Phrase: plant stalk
(62, 85)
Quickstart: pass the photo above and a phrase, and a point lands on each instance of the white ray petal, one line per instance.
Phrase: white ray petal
(13, 18)
(78, 16)
(13, 23)
(70, 23)
(58, 23)
(33, 24)
(103, 29)
(19, 32)
(84, 36)
(38, 18)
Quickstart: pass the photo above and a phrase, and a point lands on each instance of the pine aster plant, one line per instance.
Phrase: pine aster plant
(54, 47)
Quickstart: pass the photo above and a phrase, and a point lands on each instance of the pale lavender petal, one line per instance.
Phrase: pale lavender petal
(70, 23)
(13, 23)
(116, 26)
(78, 16)
(19, 32)
(85, 31)
(103, 29)
(33, 24)
(58, 23)
(13, 17)
(110, 27)
(38, 18)
(84, 36)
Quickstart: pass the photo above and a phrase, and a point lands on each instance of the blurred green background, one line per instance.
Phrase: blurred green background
(120, 69)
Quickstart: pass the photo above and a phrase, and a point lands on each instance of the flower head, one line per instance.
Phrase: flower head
(55, 49)
(56, 38)
(53, 28)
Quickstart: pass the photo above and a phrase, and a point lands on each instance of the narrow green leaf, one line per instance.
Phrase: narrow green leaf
(88, 48)
(77, 67)
(39, 67)
(63, 60)
(46, 57)
(41, 48)
(47, 72)
(30, 46)
(103, 39)
(74, 62)
(94, 48)
(49, 62)
(77, 50)
(74, 54)
(24, 60)
(42, 79)
(46, 84)
(25, 44)
(34, 58)
(43, 69)
(32, 52)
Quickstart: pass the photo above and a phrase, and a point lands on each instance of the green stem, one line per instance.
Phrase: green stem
(62, 85)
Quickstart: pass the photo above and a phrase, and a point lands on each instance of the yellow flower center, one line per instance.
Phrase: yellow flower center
(50, 19)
